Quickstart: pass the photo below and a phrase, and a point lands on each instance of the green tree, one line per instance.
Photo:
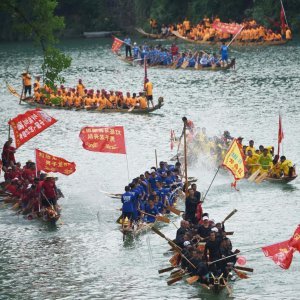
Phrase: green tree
(36, 20)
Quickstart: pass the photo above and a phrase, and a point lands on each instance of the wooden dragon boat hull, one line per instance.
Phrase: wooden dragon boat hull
(136, 230)
(234, 43)
(281, 180)
(155, 36)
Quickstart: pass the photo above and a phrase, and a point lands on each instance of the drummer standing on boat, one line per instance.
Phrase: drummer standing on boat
(149, 91)
(224, 53)
(26, 78)
(127, 43)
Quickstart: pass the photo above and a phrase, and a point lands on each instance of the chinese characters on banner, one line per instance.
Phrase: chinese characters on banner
(103, 139)
(234, 162)
(282, 253)
(49, 163)
(29, 124)
(117, 44)
(227, 28)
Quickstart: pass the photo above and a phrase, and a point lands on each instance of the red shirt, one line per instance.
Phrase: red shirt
(49, 189)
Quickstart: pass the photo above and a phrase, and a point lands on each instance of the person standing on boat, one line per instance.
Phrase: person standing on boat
(26, 79)
(80, 88)
(136, 51)
(127, 42)
(128, 202)
(191, 204)
(8, 154)
(149, 91)
(224, 53)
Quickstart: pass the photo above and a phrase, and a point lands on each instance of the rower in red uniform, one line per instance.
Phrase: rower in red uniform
(8, 153)
(49, 192)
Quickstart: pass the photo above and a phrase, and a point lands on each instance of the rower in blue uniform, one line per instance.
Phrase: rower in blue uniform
(224, 53)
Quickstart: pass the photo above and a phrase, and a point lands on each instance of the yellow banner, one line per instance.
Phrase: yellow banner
(234, 161)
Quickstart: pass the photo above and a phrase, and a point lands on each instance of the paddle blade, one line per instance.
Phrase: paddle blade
(175, 259)
(241, 274)
(165, 270)
(171, 281)
(163, 219)
(185, 64)
(254, 175)
(192, 279)
(244, 269)
(230, 215)
(261, 178)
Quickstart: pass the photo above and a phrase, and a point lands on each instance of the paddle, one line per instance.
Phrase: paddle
(171, 281)
(229, 216)
(192, 279)
(175, 273)
(227, 287)
(241, 274)
(244, 268)
(158, 218)
(166, 270)
(261, 178)
(174, 210)
(254, 175)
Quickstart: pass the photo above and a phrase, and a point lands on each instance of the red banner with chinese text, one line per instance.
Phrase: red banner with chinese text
(117, 44)
(280, 253)
(29, 124)
(50, 163)
(234, 162)
(227, 27)
(295, 239)
(103, 139)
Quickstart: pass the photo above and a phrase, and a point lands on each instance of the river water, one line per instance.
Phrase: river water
(85, 257)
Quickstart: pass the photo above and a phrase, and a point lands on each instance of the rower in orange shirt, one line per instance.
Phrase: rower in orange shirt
(149, 91)
(26, 78)
(186, 26)
(80, 88)
(142, 101)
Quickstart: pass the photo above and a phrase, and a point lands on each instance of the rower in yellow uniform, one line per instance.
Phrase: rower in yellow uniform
(252, 162)
(250, 147)
(143, 101)
(288, 34)
(287, 167)
(265, 161)
(275, 171)
(80, 88)
(149, 92)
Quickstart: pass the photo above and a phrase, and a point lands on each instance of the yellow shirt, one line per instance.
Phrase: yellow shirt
(288, 34)
(143, 102)
(186, 25)
(285, 167)
(27, 79)
(149, 88)
(80, 89)
(251, 161)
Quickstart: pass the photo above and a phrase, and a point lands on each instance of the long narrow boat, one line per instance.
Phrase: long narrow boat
(281, 180)
(30, 101)
(155, 36)
(234, 43)
(136, 230)
(171, 67)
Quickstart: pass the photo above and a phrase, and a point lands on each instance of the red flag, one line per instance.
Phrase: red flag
(117, 44)
(227, 27)
(29, 124)
(280, 134)
(280, 253)
(103, 139)
(295, 239)
(50, 163)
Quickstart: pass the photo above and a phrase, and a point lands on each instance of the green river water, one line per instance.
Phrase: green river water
(85, 258)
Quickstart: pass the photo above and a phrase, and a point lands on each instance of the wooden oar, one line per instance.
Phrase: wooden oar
(175, 273)
(241, 274)
(166, 270)
(230, 215)
(244, 269)
(171, 281)
(158, 218)
(254, 175)
(174, 210)
(192, 279)
(261, 178)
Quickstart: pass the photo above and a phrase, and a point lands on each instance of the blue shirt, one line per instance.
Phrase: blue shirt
(127, 200)
(152, 211)
(127, 41)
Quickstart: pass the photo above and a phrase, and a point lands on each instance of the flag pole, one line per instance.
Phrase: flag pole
(9, 130)
(211, 184)
(235, 36)
(185, 160)
(284, 13)
(156, 159)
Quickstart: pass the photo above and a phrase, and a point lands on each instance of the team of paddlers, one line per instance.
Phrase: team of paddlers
(159, 55)
(205, 31)
(34, 194)
(81, 97)
(152, 193)
(262, 158)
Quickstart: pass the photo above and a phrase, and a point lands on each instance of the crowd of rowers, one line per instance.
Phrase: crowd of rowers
(203, 241)
(34, 193)
(159, 55)
(204, 31)
(81, 97)
(151, 194)
(263, 158)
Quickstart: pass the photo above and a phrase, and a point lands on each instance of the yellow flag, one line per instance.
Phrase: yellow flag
(234, 161)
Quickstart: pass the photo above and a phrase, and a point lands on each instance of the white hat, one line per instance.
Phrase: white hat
(186, 243)
(50, 175)
(214, 229)
(134, 43)
(205, 218)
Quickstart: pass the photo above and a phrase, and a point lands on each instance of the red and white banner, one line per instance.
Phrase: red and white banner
(231, 28)
(50, 163)
(103, 139)
(117, 44)
(29, 124)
